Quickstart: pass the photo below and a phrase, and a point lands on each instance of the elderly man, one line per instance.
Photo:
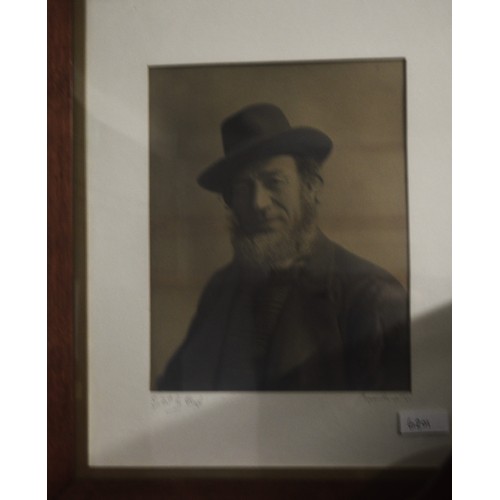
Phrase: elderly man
(293, 310)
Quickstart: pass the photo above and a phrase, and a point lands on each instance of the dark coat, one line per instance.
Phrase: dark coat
(343, 326)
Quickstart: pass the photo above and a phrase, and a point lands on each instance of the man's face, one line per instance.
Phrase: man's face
(273, 214)
(266, 197)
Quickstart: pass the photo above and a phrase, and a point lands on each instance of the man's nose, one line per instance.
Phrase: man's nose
(261, 197)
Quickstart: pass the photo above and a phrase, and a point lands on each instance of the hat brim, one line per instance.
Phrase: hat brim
(301, 141)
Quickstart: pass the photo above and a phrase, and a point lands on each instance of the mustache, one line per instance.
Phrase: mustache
(259, 217)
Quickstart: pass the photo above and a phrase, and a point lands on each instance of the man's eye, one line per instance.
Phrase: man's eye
(241, 187)
(275, 182)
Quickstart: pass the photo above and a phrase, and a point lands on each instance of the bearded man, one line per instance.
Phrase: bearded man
(293, 310)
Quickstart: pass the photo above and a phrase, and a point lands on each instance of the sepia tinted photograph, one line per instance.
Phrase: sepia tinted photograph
(279, 227)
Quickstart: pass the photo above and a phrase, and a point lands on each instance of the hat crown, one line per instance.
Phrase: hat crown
(251, 124)
(257, 132)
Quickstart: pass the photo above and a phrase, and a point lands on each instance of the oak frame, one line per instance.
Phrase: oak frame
(68, 474)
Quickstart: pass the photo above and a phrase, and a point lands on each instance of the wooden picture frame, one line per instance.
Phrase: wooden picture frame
(68, 473)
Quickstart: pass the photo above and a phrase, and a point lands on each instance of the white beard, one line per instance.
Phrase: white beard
(264, 252)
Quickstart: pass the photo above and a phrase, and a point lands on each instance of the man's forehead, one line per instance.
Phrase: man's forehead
(276, 164)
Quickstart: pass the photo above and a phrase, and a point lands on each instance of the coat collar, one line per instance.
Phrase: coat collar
(317, 269)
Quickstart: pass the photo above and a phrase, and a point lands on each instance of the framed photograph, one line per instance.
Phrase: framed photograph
(269, 324)
(261, 282)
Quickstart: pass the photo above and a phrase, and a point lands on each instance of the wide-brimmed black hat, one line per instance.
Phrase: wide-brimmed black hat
(257, 132)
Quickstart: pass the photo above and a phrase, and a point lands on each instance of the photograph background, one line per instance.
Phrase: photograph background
(359, 104)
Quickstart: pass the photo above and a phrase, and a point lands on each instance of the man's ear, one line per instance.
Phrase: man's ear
(315, 185)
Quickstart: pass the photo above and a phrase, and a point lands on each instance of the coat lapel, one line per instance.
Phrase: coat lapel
(201, 354)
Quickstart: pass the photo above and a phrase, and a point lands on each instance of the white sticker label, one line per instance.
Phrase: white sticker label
(423, 421)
